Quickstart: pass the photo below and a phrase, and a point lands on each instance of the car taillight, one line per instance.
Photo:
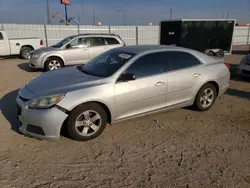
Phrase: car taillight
(227, 65)
(41, 42)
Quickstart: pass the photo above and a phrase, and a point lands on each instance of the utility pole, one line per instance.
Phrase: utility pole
(94, 18)
(171, 11)
(66, 12)
(124, 15)
(48, 11)
(227, 15)
(82, 13)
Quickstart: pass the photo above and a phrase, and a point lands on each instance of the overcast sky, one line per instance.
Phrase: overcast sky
(143, 11)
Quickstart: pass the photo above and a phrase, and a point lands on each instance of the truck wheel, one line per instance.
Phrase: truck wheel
(25, 52)
(87, 122)
(53, 63)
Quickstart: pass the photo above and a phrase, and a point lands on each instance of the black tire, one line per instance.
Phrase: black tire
(25, 52)
(51, 59)
(72, 130)
(198, 104)
(210, 53)
(220, 53)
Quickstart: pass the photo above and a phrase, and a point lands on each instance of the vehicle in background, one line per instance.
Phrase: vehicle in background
(244, 67)
(18, 46)
(76, 49)
(119, 84)
(213, 37)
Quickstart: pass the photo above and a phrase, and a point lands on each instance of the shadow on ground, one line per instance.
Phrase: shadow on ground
(26, 67)
(8, 108)
(238, 93)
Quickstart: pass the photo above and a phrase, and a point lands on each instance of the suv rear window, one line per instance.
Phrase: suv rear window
(111, 41)
(1, 36)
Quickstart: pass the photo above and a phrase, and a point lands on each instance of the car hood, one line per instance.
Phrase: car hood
(45, 50)
(61, 81)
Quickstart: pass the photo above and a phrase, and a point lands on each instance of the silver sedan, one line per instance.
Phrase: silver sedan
(119, 84)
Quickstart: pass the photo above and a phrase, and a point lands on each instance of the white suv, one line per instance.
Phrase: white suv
(76, 49)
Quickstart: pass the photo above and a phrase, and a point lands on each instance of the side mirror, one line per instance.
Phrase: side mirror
(127, 77)
(68, 46)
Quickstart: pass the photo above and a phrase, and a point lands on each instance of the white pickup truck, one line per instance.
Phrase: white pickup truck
(18, 46)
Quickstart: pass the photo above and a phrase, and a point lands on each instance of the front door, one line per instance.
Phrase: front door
(4, 46)
(77, 52)
(147, 92)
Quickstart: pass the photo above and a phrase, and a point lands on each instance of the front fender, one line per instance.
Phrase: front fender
(44, 59)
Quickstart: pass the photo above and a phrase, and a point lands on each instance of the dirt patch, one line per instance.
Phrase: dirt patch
(180, 148)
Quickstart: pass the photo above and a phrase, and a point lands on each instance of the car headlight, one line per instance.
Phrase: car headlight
(45, 102)
(34, 56)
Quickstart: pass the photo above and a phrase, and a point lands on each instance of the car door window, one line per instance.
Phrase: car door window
(111, 41)
(180, 60)
(96, 41)
(78, 42)
(1, 36)
(148, 65)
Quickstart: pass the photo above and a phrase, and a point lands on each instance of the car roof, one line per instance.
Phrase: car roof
(154, 48)
(146, 48)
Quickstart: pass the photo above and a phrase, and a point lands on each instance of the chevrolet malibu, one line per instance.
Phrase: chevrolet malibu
(122, 83)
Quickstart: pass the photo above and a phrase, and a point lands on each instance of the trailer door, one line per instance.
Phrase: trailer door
(170, 33)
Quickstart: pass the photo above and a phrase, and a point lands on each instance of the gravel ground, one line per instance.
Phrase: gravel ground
(180, 148)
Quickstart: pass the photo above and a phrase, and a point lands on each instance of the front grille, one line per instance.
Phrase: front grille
(246, 72)
(18, 109)
(35, 129)
(23, 99)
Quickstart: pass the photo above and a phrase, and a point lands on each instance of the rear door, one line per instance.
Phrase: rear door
(96, 46)
(78, 52)
(4, 45)
(184, 72)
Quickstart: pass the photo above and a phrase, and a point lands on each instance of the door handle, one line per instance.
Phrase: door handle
(159, 83)
(196, 75)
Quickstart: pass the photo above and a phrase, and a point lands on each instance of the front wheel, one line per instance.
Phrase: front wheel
(53, 63)
(87, 122)
(205, 97)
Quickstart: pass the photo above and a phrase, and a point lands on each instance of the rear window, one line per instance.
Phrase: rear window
(111, 41)
(1, 36)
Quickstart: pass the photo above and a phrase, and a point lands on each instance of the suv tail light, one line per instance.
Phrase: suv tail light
(41, 42)
(227, 64)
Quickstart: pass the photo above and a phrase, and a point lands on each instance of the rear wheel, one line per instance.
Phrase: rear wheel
(205, 97)
(53, 63)
(87, 122)
(25, 52)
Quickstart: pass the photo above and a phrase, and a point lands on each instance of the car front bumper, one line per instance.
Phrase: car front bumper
(36, 63)
(244, 69)
(40, 123)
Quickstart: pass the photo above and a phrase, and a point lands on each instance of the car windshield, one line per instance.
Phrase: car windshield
(62, 42)
(107, 63)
